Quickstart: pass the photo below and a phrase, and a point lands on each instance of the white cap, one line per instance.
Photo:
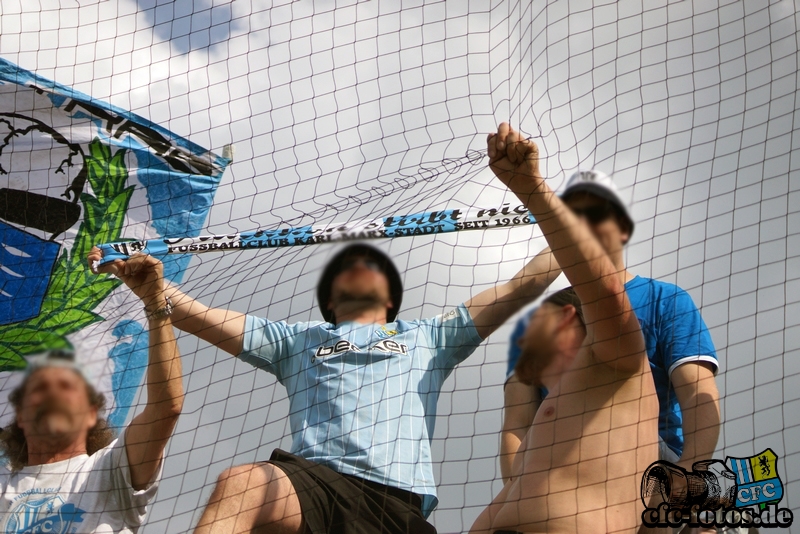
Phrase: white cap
(599, 184)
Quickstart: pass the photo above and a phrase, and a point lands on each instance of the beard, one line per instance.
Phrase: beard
(367, 299)
(52, 419)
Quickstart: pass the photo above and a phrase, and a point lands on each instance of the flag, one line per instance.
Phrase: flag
(75, 172)
(757, 479)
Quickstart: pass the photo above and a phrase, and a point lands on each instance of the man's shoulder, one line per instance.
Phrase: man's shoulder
(454, 313)
(654, 289)
(255, 321)
(656, 300)
(5, 473)
(643, 283)
(108, 454)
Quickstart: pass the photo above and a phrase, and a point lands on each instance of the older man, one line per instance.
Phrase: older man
(66, 472)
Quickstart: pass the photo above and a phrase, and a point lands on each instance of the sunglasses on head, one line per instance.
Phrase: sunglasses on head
(594, 214)
(369, 263)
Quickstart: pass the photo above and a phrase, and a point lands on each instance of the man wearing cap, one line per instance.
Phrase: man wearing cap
(363, 387)
(65, 471)
(682, 355)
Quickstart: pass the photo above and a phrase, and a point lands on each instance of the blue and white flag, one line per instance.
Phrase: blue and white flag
(75, 172)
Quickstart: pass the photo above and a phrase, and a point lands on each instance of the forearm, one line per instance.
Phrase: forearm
(529, 283)
(164, 375)
(148, 433)
(510, 441)
(700, 431)
(578, 253)
(698, 397)
(188, 314)
(520, 405)
(220, 327)
(491, 308)
(515, 161)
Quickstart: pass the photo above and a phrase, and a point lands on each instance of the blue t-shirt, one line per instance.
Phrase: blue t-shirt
(674, 334)
(362, 397)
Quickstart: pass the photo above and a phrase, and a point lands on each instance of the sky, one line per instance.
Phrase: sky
(340, 110)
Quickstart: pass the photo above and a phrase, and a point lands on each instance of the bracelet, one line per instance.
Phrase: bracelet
(160, 312)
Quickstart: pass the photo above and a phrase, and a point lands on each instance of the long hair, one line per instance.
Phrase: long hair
(12, 440)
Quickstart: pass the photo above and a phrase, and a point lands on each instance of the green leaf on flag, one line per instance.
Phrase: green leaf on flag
(74, 291)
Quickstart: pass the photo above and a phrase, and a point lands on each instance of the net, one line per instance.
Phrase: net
(343, 111)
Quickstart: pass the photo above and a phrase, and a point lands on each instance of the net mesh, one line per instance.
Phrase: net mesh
(347, 110)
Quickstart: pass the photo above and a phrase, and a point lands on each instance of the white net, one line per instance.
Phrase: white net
(348, 110)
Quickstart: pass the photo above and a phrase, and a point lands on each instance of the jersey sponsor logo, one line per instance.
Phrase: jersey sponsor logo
(449, 316)
(387, 345)
(338, 348)
(36, 513)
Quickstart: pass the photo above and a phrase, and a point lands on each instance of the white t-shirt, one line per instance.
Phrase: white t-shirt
(80, 495)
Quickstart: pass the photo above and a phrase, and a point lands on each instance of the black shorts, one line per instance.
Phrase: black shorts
(342, 504)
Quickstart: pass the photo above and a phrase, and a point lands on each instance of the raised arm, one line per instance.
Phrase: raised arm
(220, 327)
(491, 308)
(612, 326)
(148, 433)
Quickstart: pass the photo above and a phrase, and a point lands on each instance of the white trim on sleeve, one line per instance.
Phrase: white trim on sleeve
(689, 359)
(508, 377)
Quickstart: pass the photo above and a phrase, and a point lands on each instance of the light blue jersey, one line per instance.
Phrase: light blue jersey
(362, 398)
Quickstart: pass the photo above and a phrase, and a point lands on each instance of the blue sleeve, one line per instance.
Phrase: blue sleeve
(266, 343)
(683, 335)
(454, 336)
(513, 344)
(514, 350)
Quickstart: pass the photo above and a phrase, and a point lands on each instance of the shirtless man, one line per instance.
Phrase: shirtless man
(596, 432)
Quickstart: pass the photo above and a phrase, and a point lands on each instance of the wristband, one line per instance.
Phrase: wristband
(164, 311)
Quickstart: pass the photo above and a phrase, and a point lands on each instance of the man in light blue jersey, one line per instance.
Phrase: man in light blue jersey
(363, 387)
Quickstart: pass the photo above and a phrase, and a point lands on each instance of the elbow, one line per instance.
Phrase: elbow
(615, 285)
(615, 288)
(177, 407)
(172, 410)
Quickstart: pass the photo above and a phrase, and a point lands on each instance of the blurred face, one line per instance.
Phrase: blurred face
(602, 219)
(55, 405)
(361, 278)
(539, 359)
